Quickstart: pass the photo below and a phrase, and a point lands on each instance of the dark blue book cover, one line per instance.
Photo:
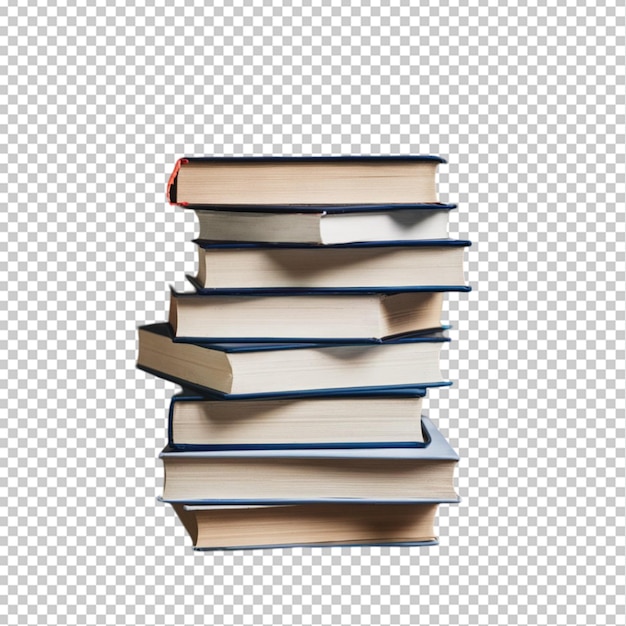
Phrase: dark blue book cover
(415, 243)
(165, 330)
(326, 291)
(331, 209)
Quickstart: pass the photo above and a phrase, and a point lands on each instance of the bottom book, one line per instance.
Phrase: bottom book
(315, 524)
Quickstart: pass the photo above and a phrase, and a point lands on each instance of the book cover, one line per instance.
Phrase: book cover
(328, 291)
(415, 243)
(331, 209)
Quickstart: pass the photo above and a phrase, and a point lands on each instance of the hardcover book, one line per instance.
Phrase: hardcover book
(309, 317)
(365, 418)
(371, 265)
(202, 181)
(250, 368)
(290, 476)
(330, 225)
(328, 524)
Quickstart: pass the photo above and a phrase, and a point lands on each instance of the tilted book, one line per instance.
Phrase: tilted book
(250, 368)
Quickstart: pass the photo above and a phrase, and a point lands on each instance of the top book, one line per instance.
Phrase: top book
(289, 181)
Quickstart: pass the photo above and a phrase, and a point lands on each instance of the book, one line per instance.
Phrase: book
(319, 524)
(343, 419)
(299, 476)
(332, 225)
(248, 368)
(395, 266)
(312, 316)
(202, 181)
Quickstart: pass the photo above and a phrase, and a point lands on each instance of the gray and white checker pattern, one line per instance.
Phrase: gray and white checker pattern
(526, 101)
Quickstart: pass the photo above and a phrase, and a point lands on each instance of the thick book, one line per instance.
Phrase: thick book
(345, 419)
(309, 317)
(394, 266)
(279, 181)
(319, 525)
(332, 225)
(270, 476)
(250, 368)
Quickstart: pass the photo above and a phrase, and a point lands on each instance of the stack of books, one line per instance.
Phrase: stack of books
(305, 352)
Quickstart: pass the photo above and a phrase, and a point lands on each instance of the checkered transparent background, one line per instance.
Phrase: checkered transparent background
(527, 102)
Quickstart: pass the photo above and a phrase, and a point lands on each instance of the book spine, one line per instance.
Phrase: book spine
(171, 183)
